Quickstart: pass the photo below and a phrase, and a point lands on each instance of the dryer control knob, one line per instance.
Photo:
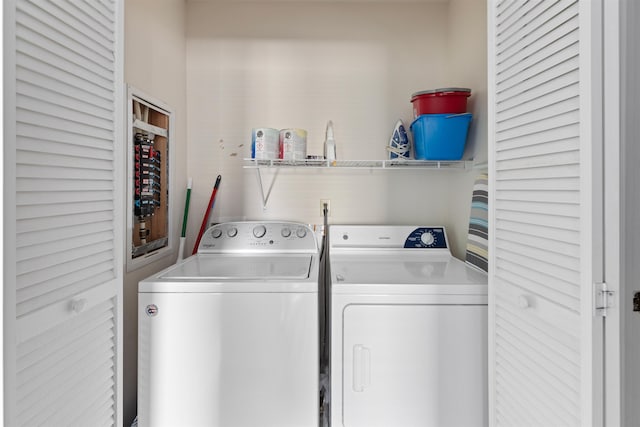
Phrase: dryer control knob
(427, 238)
(259, 231)
(301, 232)
(286, 232)
(216, 233)
(232, 232)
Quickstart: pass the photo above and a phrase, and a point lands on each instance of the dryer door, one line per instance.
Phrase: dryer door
(414, 365)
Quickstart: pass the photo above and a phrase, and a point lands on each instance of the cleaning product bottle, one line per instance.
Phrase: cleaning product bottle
(329, 144)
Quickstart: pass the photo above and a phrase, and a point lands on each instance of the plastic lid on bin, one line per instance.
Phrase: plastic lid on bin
(443, 90)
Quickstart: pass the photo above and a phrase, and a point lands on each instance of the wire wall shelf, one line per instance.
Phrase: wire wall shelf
(277, 165)
(359, 164)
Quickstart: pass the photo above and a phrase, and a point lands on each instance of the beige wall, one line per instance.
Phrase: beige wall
(155, 64)
(238, 65)
(299, 64)
(467, 62)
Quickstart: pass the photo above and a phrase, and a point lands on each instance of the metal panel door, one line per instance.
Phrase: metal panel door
(414, 365)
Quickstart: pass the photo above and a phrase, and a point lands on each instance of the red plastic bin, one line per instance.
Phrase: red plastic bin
(451, 100)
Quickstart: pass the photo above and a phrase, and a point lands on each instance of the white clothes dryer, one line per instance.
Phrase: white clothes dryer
(229, 336)
(409, 330)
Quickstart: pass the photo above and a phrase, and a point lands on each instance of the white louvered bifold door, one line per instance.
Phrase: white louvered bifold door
(544, 337)
(63, 212)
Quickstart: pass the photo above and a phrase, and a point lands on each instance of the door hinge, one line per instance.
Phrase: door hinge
(603, 299)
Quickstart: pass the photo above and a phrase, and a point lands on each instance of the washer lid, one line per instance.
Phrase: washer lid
(376, 271)
(241, 267)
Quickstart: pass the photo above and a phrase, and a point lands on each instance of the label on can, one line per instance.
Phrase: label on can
(265, 143)
(293, 144)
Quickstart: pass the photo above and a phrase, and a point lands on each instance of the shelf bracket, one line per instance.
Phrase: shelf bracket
(265, 197)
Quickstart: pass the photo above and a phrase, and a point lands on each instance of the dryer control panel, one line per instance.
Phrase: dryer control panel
(427, 237)
(388, 237)
(262, 236)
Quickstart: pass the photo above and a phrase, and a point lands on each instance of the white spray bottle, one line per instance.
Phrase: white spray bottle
(329, 143)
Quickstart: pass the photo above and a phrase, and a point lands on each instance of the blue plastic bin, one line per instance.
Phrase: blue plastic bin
(440, 136)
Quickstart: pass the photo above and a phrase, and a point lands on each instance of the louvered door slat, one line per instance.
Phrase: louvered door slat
(60, 288)
(34, 158)
(33, 185)
(571, 184)
(548, 340)
(558, 396)
(76, 90)
(545, 411)
(547, 84)
(60, 362)
(54, 385)
(531, 128)
(59, 264)
(549, 148)
(556, 353)
(552, 222)
(555, 209)
(31, 60)
(512, 17)
(95, 414)
(43, 197)
(517, 258)
(542, 255)
(555, 289)
(537, 40)
(46, 249)
(541, 21)
(30, 211)
(66, 155)
(557, 196)
(507, 415)
(28, 239)
(55, 111)
(553, 235)
(571, 157)
(91, 387)
(32, 52)
(58, 338)
(93, 112)
(540, 283)
(64, 40)
(63, 110)
(533, 415)
(100, 10)
(84, 23)
(561, 53)
(36, 224)
(568, 171)
(535, 114)
(561, 49)
(54, 122)
(539, 138)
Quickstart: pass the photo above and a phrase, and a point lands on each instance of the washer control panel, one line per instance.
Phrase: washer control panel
(427, 237)
(258, 236)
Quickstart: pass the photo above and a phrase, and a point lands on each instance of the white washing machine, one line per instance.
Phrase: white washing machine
(229, 337)
(409, 330)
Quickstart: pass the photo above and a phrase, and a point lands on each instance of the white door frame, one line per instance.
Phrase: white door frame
(612, 210)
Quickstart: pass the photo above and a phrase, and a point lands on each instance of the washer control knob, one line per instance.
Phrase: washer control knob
(259, 231)
(216, 233)
(301, 232)
(427, 238)
(286, 232)
(232, 232)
